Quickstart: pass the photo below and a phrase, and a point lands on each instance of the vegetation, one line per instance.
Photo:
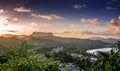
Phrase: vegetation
(23, 58)
(74, 44)
(79, 63)
(108, 61)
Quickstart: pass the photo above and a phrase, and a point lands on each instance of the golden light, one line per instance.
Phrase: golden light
(2, 26)
(3, 20)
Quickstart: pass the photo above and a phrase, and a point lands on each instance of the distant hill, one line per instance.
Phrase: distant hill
(47, 41)
(12, 36)
(8, 42)
(108, 40)
(50, 41)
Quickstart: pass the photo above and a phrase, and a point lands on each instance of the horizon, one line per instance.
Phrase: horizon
(64, 18)
(92, 38)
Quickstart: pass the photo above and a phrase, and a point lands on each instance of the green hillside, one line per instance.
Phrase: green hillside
(69, 44)
(44, 44)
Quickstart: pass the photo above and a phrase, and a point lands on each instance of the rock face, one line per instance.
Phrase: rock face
(42, 34)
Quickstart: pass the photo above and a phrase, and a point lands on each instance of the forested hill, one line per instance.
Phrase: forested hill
(48, 40)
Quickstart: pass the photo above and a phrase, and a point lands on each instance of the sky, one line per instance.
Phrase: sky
(65, 18)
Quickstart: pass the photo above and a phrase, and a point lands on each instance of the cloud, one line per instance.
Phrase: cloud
(48, 17)
(5, 24)
(12, 19)
(79, 6)
(34, 24)
(112, 31)
(92, 21)
(113, 28)
(13, 31)
(55, 16)
(79, 32)
(3, 20)
(111, 8)
(83, 20)
(34, 15)
(2, 11)
(118, 17)
(114, 23)
(22, 9)
(75, 33)
(74, 25)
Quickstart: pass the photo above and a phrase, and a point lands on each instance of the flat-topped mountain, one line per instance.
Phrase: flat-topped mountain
(44, 40)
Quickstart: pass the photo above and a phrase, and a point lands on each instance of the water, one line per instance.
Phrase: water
(94, 51)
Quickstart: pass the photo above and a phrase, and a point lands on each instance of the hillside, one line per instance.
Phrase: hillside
(108, 40)
(70, 44)
(47, 41)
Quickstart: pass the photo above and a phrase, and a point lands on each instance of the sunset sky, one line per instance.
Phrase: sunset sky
(66, 18)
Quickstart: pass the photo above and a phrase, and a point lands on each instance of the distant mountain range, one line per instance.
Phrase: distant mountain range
(108, 40)
(48, 40)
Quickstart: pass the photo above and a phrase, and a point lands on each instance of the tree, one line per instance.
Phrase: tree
(22, 58)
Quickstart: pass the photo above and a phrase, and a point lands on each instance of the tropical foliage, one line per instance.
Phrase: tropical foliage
(23, 58)
(108, 61)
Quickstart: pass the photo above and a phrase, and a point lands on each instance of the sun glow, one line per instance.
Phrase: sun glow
(4, 26)
(3, 20)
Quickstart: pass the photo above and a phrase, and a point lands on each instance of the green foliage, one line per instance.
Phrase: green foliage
(69, 44)
(64, 57)
(118, 45)
(61, 56)
(21, 58)
(108, 61)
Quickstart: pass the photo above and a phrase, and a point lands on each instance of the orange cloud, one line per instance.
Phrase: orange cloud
(79, 32)
(114, 23)
(48, 17)
(114, 32)
(94, 20)
(90, 20)
(22, 9)
(76, 34)
(113, 28)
